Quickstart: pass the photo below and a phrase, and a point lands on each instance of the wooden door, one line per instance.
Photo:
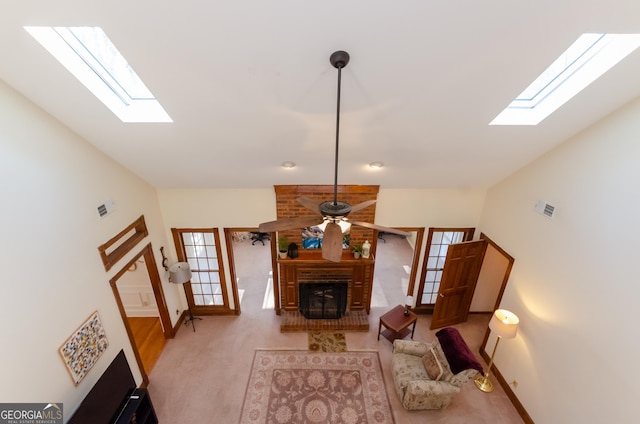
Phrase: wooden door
(438, 242)
(458, 283)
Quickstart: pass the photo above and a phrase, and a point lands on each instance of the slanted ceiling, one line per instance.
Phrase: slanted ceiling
(249, 85)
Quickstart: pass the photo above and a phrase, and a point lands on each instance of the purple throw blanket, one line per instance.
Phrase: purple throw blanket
(456, 350)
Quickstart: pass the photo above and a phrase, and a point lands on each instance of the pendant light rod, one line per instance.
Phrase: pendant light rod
(335, 177)
(339, 60)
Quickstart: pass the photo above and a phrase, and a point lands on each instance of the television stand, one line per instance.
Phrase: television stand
(138, 409)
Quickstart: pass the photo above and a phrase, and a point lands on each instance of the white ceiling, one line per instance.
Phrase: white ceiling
(249, 85)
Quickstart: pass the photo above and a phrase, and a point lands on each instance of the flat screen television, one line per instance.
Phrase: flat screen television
(108, 396)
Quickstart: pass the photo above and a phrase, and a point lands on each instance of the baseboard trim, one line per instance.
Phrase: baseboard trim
(178, 323)
(507, 389)
(423, 310)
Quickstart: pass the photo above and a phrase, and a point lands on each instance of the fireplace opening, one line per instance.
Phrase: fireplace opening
(326, 300)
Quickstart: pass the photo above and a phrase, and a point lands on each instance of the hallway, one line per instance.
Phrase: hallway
(149, 339)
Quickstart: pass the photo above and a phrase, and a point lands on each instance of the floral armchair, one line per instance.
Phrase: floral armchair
(427, 375)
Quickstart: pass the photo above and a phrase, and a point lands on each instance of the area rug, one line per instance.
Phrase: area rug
(295, 387)
(327, 341)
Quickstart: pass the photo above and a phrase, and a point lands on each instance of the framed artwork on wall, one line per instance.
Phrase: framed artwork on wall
(84, 347)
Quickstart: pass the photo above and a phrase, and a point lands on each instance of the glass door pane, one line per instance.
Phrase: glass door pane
(437, 247)
(200, 249)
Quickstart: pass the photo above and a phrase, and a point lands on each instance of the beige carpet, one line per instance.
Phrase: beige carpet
(202, 377)
(327, 341)
(295, 387)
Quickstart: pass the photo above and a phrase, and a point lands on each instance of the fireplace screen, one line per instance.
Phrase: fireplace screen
(323, 300)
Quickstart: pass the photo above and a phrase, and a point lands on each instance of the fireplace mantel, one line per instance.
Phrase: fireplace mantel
(314, 256)
(310, 267)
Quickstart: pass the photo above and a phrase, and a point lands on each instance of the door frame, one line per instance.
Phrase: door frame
(225, 308)
(417, 252)
(228, 238)
(505, 280)
(156, 285)
(482, 350)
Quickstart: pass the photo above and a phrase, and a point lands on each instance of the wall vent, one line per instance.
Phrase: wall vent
(106, 208)
(545, 209)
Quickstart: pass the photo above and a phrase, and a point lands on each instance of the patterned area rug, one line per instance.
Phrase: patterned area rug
(295, 387)
(327, 341)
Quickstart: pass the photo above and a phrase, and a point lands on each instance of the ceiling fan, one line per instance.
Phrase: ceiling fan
(334, 211)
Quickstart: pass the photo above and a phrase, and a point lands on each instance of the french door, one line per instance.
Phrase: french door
(438, 242)
(207, 290)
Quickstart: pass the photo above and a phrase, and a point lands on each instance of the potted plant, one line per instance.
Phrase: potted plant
(357, 251)
(283, 245)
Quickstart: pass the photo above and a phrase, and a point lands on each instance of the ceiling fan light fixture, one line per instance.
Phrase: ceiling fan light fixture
(376, 165)
(287, 164)
(344, 226)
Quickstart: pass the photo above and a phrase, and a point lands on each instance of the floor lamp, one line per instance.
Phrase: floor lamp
(180, 273)
(505, 325)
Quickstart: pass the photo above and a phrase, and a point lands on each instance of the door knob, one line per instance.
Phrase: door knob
(441, 295)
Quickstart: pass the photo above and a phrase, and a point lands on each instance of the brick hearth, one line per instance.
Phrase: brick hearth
(351, 321)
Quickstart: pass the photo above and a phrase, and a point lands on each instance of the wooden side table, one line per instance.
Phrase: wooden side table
(396, 324)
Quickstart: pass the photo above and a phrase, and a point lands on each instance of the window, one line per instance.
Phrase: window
(589, 57)
(92, 58)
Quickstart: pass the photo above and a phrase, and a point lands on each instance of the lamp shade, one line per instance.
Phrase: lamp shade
(344, 225)
(504, 323)
(179, 273)
(409, 301)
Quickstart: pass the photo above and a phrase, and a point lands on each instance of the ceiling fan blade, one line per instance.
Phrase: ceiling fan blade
(290, 224)
(332, 243)
(381, 228)
(362, 205)
(310, 204)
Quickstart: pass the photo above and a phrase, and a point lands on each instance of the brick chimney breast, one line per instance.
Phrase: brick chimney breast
(288, 207)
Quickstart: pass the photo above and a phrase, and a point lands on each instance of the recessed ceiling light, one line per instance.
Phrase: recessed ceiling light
(92, 58)
(288, 164)
(376, 165)
(588, 58)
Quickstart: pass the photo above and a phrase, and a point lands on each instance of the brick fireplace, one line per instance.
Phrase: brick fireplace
(310, 268)
(323, 300)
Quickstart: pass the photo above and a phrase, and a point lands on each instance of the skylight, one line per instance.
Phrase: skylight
(92, 58)
(582, 63)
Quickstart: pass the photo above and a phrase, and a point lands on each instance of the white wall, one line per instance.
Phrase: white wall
(245, 207)
(494, 267)
(51, 182)
(429, 208)
(136, 291)
(574, 284)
